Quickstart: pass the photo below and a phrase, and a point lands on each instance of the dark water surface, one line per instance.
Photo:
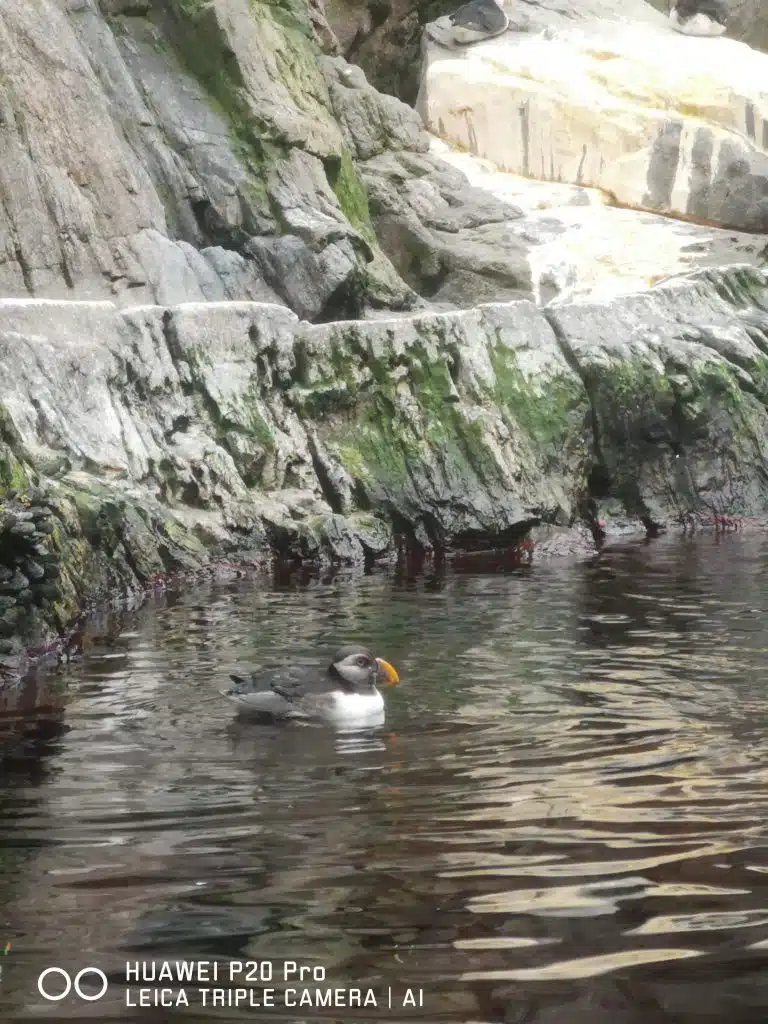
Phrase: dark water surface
(563, 821)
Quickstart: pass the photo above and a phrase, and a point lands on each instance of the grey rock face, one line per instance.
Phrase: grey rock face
(166, 154)
(210, 152)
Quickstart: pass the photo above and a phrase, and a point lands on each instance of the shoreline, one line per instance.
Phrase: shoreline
(275, 571)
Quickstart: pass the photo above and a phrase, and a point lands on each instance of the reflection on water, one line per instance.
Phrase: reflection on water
(563, 820)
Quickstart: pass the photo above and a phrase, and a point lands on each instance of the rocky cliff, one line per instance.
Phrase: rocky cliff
(150, 439)
(249, 306)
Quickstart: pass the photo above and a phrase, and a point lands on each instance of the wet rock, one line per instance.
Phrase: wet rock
(16, 583)
(33, 570)
(678, 390)
(374, 534)
(551, 541)
(22, 529)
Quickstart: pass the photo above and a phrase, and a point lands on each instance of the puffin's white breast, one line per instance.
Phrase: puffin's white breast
(356, 705)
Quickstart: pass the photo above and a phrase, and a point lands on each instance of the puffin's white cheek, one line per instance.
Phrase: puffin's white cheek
(351, 672)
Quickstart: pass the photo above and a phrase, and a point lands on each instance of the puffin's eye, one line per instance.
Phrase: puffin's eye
(362, 661)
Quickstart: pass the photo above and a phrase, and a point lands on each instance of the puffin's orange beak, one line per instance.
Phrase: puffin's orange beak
(391, 678)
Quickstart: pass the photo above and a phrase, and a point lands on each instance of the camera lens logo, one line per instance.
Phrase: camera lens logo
(54, 984)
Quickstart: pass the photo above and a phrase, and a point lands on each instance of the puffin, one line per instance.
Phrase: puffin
(471, 23)
(699, 17)
(347, 691)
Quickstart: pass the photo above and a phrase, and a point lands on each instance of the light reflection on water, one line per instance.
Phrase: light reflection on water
(563, 820)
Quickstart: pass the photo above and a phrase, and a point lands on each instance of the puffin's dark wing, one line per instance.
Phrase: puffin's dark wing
(295, 688)
(480, 16)
(289, 683)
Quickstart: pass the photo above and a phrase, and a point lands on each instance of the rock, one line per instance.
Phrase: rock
(678, 390)
(385, 39)
(22, 529)
(16, 584)
(460, 231)
(651, 117)
(33, 570)
(38, 514)
(9, 621)
(451, 242)
(372, 122)
(179, 413)
(240, 278)
(576, 243)
(431, 419)
(552, 541)
(316, 258)
(374, 534)
(306, 279)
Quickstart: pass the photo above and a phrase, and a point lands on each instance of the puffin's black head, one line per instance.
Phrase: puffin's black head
(358, 670)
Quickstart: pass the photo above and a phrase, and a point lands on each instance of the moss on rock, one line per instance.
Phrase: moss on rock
(351, 193)
(552, 413)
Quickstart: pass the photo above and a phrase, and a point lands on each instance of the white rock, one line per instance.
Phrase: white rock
(658, 120)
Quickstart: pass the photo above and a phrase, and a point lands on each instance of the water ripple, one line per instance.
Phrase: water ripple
(565, 817)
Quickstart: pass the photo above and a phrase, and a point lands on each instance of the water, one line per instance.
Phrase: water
(563, 820)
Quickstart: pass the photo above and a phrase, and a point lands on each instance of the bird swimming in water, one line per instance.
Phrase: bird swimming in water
(471, 23)
(699, 17)
(347, 691)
